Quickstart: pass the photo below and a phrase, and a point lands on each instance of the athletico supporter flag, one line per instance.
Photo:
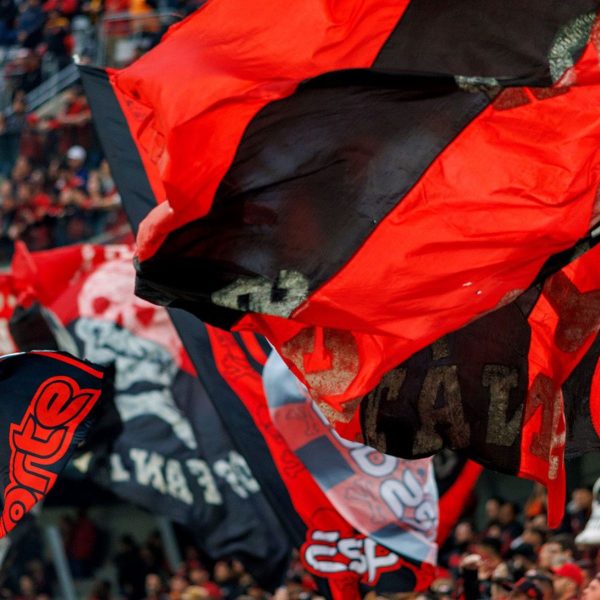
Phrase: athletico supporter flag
(334, 487)
(394, 501)
(47, 402)
(173, 455)
(357, 180)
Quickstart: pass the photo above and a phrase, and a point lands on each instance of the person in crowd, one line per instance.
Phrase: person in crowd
(578, 511)
(526, 589)
(102, 590)
(557, 551)
(225, 579)
(177, 585)
(155, 589)
(521, 559)
(29, 23)
(592, 590)
(81, 545)
(510, 528)
(568, 580)
(131, 571)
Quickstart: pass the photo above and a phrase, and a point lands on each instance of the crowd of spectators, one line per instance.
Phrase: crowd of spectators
(515, 555)
(55, 187)
(512, 555)
(133, 569)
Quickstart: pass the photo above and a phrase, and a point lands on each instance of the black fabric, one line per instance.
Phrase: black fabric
(30, 330)
(141, 456)
(30, 458)
(118, 144)
(313, 175)
(448, 466)
(459, 376)
(247, 438)
(581, 435)
(505, 39)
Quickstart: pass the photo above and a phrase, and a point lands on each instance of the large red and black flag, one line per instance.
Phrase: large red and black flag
(355, 180)
(171, 454)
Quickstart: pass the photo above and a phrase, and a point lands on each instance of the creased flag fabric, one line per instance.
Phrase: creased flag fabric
(47, 402)
(501, 380)
(357, 179)
(173, 455)
(393, 501)
(350, 560)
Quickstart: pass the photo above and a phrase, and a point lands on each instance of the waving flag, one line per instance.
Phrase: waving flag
(356, 180)
(47, 402)
(369, 520)
(494, 388)
(361, 179)
(173, 455)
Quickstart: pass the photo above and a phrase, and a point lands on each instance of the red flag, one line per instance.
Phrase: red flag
(355, 202)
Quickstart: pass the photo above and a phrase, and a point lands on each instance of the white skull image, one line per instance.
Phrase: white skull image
(108, 294)
(117, 327)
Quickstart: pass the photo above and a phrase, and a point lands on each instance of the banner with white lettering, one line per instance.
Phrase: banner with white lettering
(173, 456)
(393, 501)
(350, 504)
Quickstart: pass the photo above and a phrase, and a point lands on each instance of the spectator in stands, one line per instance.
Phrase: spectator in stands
(568, 580)
(101, 590)
(557, 551)
(200, 577)
(27, 589)
(510, 528)
(526, 589)
(154, 588)
(521, 559)
(8, 14)
(592, 590)
(57, 38)
(11, 128)
(226, 580)
(177, 585)
(29, 23)
(76, 173)
(74, 119)
(578, 511)
(131, 570)
(81, 545)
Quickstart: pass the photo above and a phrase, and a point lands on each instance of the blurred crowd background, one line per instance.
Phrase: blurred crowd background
(497, 550)
(55, 187)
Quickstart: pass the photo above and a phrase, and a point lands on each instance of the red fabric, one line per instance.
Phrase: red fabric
(267, 53)
(518, 185)
(563, 323)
